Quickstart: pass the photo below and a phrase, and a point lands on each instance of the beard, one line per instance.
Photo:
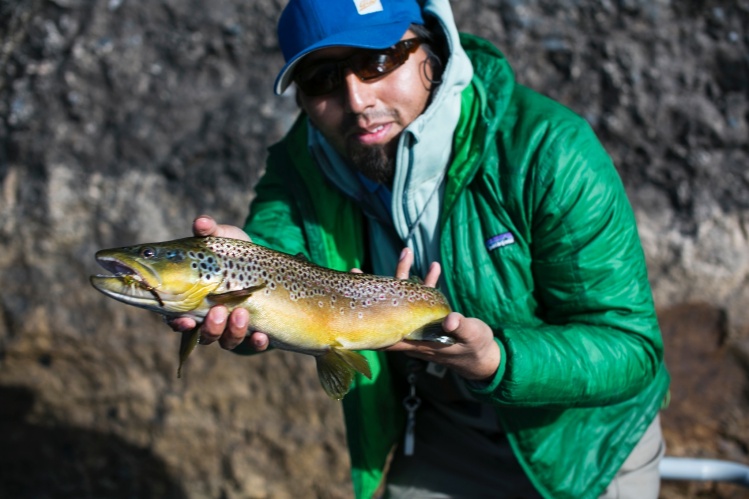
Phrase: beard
(374, 162)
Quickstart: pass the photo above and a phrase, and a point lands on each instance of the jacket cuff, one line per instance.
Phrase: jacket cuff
(486, 387)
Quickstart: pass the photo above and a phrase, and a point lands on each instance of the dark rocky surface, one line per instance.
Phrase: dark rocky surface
(120, 121)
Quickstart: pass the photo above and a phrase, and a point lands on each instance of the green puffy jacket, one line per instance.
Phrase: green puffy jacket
(582, 373)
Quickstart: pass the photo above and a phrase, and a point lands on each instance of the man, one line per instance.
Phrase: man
(413, 135)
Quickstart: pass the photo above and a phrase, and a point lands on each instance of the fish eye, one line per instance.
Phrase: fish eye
(148, 252)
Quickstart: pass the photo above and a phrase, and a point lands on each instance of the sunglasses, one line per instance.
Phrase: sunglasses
(323, 78)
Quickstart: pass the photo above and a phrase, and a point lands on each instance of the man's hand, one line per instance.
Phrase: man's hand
(475, 355)
(228, 329)
(205, 226)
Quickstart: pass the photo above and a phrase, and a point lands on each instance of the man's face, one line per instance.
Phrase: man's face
(363, 120)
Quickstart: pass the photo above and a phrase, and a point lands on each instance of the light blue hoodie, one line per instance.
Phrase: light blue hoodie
(423, 154)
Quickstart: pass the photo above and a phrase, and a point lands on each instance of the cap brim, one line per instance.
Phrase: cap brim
(374, 37)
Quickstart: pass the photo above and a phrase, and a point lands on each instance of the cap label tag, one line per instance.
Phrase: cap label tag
(367, 6)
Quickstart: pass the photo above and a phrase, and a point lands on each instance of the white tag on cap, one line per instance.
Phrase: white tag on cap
(367, 6)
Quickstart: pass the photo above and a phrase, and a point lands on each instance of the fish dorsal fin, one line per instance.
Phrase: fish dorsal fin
(235, 296)
(432, 331)
(416, 279)
(301, 256)
(336, 369)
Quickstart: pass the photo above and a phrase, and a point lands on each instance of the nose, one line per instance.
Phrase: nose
(359, 95)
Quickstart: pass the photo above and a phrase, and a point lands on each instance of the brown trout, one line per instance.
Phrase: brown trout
(302, 307)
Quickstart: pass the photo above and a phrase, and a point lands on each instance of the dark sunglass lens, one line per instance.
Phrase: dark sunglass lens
(375, 65)
(379, 63)
(319, 80)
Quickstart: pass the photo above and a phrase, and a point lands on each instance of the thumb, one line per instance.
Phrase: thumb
(452, 322)
(205, 225)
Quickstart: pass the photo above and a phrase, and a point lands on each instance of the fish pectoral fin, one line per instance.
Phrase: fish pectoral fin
(186, 345)
(431, 331)
(336, 369)
(234, 297)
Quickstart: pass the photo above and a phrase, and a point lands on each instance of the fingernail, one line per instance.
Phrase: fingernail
(403, 254)
(240, 322)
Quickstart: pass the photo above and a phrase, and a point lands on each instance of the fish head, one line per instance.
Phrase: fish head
(171, 277)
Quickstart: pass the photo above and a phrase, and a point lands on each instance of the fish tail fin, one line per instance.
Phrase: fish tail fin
(431, 331)
(336, 369)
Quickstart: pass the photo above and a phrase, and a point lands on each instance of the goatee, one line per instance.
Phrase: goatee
(373, 162)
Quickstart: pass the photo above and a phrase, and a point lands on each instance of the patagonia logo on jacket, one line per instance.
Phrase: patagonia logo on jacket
(499, 241)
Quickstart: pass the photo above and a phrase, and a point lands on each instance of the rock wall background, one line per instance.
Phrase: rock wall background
(122, 120)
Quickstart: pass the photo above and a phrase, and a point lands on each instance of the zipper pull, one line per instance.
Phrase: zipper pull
(411, 403)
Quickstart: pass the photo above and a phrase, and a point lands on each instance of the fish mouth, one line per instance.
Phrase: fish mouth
(125, 282)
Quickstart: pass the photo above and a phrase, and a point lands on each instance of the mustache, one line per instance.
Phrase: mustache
(353, 120)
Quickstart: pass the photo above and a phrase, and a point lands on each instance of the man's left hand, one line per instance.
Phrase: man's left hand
(474, 356)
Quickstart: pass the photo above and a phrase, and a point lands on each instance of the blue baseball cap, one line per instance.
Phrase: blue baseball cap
(309, 25)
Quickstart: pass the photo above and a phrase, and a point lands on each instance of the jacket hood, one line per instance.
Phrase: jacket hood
(425, 150)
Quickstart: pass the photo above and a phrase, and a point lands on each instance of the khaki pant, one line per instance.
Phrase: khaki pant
(638, 478)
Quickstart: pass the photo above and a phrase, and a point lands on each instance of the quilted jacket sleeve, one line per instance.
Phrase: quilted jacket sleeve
(274, 220)
(598, 340)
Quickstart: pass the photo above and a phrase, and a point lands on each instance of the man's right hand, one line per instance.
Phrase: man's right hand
(228, 329)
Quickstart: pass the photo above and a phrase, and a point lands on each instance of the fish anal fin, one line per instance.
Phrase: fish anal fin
(336, 369)
(234, 297)
(355, 360)
(432, 331)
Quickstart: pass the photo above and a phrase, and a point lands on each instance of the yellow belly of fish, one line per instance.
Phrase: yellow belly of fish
(313, 324)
